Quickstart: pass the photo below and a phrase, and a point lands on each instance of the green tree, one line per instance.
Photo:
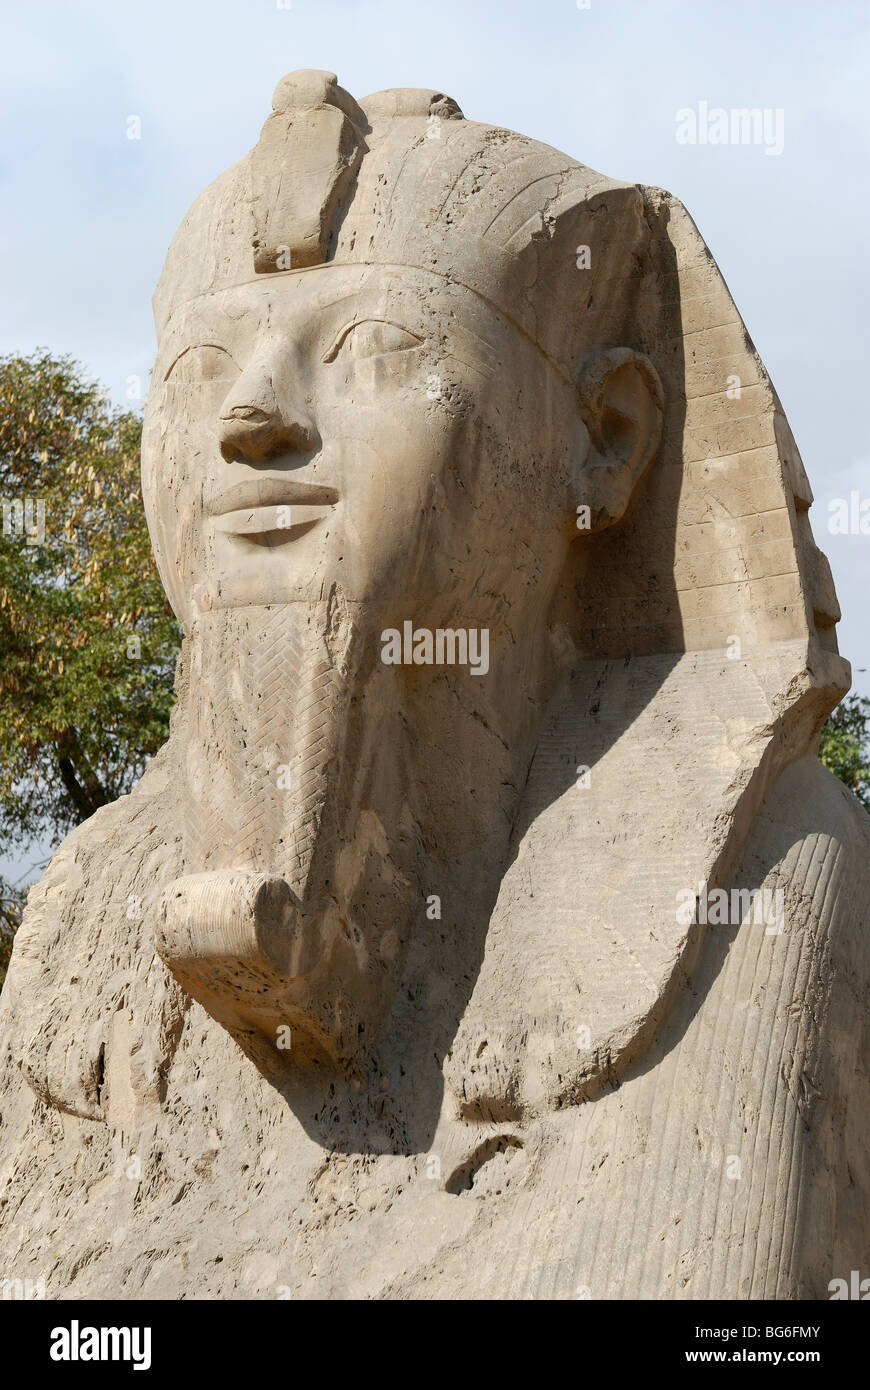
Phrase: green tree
(5, 950)
(845, 745)
(87, 639)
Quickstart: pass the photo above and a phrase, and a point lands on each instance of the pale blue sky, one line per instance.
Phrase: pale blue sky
(87, 214)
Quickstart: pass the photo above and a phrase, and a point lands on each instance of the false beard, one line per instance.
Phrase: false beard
(266, 732)
(302, 871)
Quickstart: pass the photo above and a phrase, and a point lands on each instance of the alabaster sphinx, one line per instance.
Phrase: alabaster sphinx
(506, 639)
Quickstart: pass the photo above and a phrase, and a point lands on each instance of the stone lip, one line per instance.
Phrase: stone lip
(270, 492)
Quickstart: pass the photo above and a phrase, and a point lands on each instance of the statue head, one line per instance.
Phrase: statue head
(398, 380)
(391, 364)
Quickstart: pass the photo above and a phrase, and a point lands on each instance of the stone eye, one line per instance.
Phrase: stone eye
(371, 337)
(202, 362)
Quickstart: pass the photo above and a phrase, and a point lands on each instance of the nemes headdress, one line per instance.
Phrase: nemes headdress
(403, 179)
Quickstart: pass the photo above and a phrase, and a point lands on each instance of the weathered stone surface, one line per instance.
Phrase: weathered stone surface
(382, 982)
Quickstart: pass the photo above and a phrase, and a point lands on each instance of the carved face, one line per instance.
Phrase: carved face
(380, 435)
(385, 438)
(371, 428)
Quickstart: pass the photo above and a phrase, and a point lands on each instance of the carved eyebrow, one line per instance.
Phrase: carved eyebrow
(191, 347)
(354, 323)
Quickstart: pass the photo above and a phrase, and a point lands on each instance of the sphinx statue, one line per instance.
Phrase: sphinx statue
(488, 898)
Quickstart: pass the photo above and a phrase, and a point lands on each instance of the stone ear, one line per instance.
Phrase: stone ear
(621, 403)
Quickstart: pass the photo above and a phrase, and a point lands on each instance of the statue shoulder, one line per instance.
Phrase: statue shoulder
(812, 831)
(84, 954)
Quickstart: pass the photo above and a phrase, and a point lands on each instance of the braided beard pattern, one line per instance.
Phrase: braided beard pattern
(267, 722)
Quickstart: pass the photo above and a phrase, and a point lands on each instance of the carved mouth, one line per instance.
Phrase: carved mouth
(287, 507)
(284, 522)
(270, 492)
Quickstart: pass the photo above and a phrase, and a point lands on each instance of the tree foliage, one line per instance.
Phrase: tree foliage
(87, 639)
(845, 745)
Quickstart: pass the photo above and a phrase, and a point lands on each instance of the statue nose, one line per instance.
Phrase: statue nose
(255, 426)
